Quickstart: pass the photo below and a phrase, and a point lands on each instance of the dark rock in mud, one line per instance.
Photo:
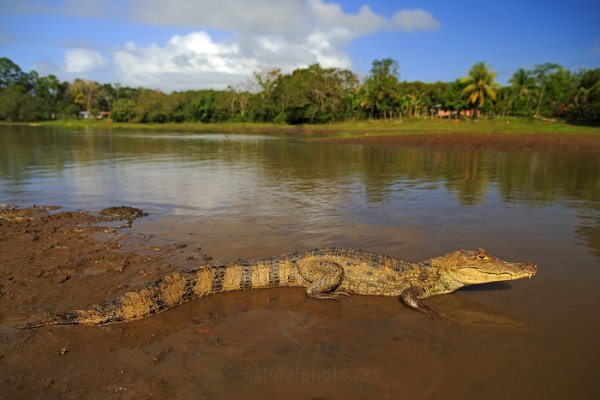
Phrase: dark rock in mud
(123, 213)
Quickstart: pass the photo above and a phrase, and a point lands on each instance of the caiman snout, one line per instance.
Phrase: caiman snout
(531, 269)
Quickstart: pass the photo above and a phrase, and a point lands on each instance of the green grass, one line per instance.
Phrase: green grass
(437, 126)
(225, 127)
(347, 129)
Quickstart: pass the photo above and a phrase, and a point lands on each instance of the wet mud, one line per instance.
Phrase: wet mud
(588, 143)
(273, 343)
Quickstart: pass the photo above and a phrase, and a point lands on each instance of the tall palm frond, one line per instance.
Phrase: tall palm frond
(480, 85)
(522, 83)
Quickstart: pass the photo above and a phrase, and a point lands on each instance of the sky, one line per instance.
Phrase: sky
(196, 44)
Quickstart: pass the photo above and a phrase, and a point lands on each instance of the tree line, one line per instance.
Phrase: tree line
(310, 95)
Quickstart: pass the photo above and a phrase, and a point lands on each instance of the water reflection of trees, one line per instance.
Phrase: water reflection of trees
(531, 177)
(588, 230)
(546, 176)
(307, 168)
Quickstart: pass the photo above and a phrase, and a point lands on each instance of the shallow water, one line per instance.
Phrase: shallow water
(248, 196)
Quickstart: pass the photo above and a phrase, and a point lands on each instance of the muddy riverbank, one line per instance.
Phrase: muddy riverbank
(503, 141)
(273, 343)
(56, 261)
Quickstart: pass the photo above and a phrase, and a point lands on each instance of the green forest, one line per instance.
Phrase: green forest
(311, 95)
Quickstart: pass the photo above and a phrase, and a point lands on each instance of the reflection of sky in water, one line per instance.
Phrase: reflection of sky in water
(348, 193)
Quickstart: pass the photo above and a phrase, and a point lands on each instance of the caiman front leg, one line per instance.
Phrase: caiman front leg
(410, 297)
(323, 277)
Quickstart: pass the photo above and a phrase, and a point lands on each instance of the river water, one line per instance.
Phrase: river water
(251, 196)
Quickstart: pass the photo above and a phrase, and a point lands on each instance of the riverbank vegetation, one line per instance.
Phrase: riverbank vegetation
(314, 95)
(341, 129)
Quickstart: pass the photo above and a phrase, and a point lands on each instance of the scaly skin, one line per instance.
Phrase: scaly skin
(325, 273)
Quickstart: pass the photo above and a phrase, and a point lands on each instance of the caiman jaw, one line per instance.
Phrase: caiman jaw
(508, 271)
(525, 271)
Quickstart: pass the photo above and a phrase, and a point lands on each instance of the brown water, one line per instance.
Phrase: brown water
(242, 196)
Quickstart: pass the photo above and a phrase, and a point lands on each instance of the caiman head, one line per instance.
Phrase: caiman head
(464, 267)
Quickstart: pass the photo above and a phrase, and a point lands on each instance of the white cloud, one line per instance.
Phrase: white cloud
(196, 61)
(597, 49)
(185, 62)
(415, 20)
(331, 15)
(262, 33)
(276, 17)
(259, 34)
(83, 60)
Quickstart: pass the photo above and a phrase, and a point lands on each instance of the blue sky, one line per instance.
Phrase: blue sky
(183, 44)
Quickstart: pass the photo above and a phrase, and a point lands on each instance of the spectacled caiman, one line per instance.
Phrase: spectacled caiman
(325, 273)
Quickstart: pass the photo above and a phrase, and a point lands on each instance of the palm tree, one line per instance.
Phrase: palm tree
(480, 85)
(522, 87)
(541, 73)
(522, 83)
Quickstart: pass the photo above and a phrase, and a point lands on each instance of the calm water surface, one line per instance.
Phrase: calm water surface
(248, 196)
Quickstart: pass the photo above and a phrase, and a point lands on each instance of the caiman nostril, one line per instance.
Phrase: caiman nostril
(532, 268)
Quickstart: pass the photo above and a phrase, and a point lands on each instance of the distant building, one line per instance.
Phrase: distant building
(470, 113)
(100, 115)
(104, 115)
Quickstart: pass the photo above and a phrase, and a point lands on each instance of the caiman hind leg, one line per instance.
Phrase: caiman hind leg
(324, 277)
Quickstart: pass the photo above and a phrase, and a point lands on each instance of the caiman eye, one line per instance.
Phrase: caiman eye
(482, 257)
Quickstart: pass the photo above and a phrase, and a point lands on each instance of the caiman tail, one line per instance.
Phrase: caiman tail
(178, 288)
(170, 291)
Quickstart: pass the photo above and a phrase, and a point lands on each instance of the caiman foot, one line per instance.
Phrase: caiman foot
(328, 295)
